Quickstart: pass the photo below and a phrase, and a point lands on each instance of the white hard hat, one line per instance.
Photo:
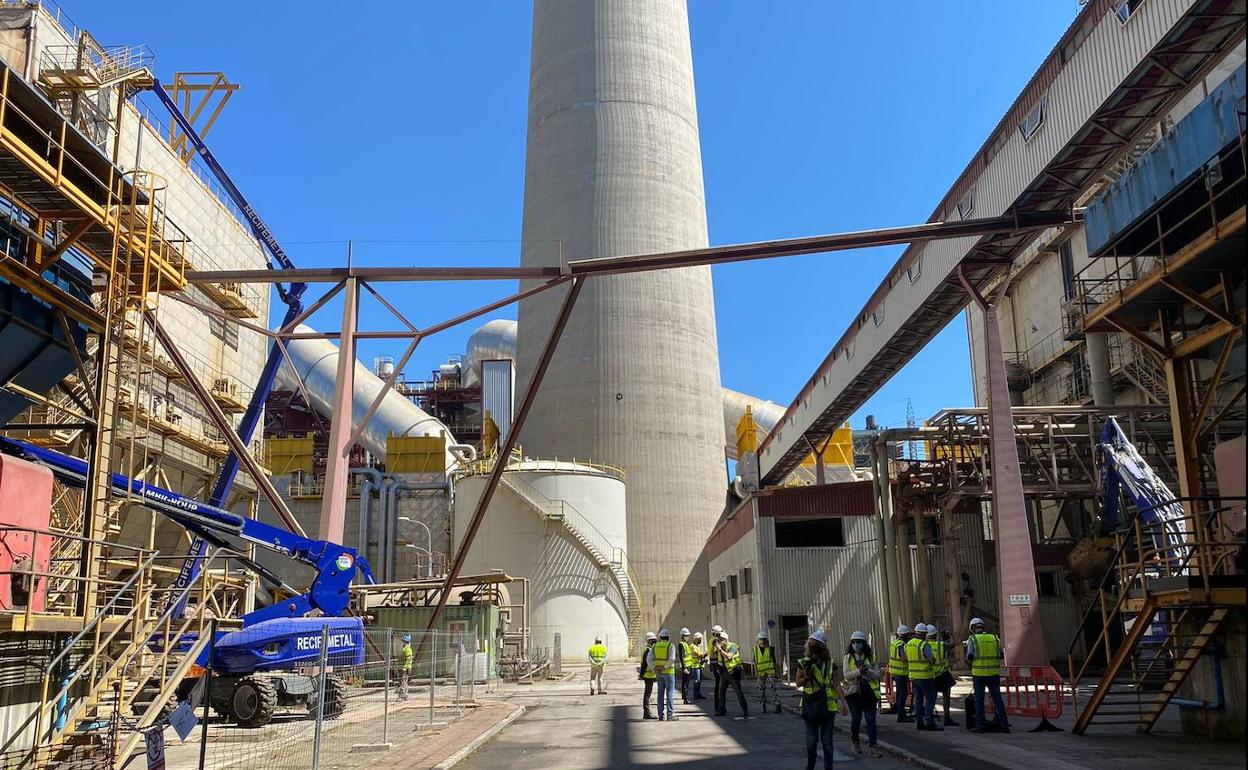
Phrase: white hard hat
(684, 632)
(723, 634)
(932, 630)
(976, 622)
(664, 634)
(819, 636)
(697, 634)
(717, 629)
(858, 636)
(920, 628)
(762, 634)
(650, 637)
(598, 638)
(903, 629)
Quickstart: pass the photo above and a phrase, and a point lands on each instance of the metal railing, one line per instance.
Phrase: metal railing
(518, 462)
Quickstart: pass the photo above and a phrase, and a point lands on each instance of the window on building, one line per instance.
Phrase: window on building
(747, 581)
(1125, 9)
(967, 204)
(1034, 120)
(1049, 583)
(223, 330)
(732, 587)
(1067, 255)
(877, 315)
(723, 592)
(915, 269)
(714, 596)
(810, 533)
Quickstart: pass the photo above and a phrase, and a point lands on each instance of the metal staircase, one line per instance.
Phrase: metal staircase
(610, 559)
(117, 675)
(1160, 608)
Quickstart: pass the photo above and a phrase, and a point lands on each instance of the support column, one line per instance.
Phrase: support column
(1098, 367)
(924, 583)
(1185, 462)
(884, 507)
(953, 575)
(1018, 599)
(905, 575)
(334, 500)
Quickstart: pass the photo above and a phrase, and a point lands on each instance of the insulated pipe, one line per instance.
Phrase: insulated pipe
(389, 519)
(372, 479)
(1099, 368)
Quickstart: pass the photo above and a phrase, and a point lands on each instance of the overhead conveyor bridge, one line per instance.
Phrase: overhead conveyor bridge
(1104, 84)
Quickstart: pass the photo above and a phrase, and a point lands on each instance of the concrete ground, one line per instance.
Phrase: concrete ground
(564, 728)
(1108, 747)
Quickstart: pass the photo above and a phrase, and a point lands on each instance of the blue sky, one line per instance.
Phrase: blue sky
(401, 125)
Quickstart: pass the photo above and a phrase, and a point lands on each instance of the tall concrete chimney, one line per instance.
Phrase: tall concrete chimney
(614, 168)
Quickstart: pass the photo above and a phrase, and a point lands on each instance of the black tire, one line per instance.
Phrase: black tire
(253, 701)
(149, 694)
(335, 698)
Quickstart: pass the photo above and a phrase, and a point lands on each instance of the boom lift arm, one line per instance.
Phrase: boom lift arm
(336, 565)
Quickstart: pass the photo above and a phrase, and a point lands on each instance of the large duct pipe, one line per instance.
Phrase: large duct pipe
(316, 361)
(1099, 369)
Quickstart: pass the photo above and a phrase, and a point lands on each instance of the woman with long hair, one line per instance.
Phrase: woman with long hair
(862, 690)
(822, 697)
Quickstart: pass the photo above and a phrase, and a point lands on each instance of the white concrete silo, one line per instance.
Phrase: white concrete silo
(614, 168)
(562, 526)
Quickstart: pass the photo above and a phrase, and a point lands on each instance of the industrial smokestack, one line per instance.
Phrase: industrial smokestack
(614, 168)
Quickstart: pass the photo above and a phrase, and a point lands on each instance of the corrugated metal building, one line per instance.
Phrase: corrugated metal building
(793, 559)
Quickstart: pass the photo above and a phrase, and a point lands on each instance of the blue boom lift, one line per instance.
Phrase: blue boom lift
(251, 667)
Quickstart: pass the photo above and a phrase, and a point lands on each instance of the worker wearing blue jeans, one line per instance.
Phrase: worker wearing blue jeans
(984, 652)
(663, 658)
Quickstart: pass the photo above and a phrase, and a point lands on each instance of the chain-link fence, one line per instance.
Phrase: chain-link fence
(331, 714)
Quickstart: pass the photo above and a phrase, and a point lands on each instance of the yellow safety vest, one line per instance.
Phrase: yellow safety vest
(987, 661)
(693, 656)
(823, 678)
(649, 674)
(764, 661)
(406, 652)
(598, 654)
(940, 651)
(896, 663)
(662, 649)
(733, 662)
(916, 662)
(851, 664)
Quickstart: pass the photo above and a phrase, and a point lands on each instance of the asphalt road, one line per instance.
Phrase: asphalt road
(565, 728)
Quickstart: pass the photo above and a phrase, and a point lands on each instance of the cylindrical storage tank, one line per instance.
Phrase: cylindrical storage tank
(559, 525)
(492, 341)
(614, 168)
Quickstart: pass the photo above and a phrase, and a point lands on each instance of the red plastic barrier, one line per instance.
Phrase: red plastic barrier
(1030, 691)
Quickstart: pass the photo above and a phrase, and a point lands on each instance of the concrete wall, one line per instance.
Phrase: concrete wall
(570, 593)
(1228, 723)
(613, 168)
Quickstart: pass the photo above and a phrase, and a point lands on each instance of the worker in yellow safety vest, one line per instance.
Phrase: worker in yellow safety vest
(942, 650)
(862, 691)
(684, 659)
(822, 697)
(921, 667)
(405, 667)
(765, 672)
(695, 662)
(597, 664)
(899, 672)
(663, 662)
(984, 653)
(730, 659)
(647, 675)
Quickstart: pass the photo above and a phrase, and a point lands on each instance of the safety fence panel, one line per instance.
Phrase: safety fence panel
(1028, 691)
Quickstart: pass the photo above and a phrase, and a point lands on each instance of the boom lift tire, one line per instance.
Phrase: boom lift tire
(253, 701)
(335, 697)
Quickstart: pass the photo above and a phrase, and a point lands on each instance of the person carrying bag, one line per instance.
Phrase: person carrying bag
(822, 697)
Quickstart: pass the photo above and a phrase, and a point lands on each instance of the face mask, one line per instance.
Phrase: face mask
(857, 646)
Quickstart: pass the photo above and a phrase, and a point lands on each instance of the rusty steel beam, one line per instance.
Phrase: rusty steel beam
(504, 452)
(337, 461)
(713, 255)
